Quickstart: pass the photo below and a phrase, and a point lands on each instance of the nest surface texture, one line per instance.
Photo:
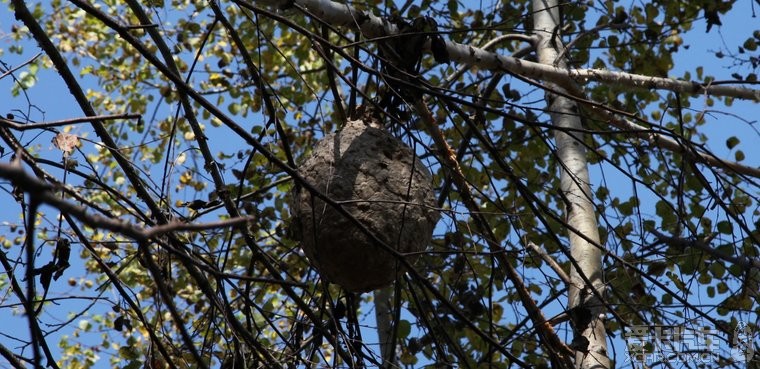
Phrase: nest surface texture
(382, 184)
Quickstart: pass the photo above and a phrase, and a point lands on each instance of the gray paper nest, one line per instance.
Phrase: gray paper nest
(381, 183)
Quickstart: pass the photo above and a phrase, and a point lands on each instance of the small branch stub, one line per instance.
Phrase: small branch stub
(381, 183)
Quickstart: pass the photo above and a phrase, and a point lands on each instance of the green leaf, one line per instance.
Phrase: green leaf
(234, 108)
(732, 141)
(602, 193)
(129, 353)
(407, 358)
(718, 269)
(657, 268)
(612, 41)
(134, 364)
(725, 227)
(85, 325)
(453, 6)
(403, 329)
(666, 213)
(750, 44)
(704, 278)
(722, 287)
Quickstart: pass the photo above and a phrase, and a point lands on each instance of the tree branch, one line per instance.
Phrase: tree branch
(11, 70)
(660, 140)
(371, 26)
(549, 260)
(46, 193)
(57, 123)
(11, 357)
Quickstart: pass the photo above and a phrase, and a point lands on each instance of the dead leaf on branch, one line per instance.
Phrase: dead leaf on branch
(66, 142)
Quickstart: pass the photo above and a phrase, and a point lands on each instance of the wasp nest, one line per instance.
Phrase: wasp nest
(380, 182)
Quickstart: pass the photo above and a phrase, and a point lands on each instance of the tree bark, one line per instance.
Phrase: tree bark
(384, 318)
(586, 286)
(341, 14)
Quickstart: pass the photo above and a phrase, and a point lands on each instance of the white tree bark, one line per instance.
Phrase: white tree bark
(571, 153)
(384, 318)
(579, 208)
(371, 26)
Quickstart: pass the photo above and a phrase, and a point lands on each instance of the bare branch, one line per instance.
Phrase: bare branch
(11, 357)
(665, 142)
(10, 71)
(46, 193)
(57, 123)
(703, 244)
(549, 260)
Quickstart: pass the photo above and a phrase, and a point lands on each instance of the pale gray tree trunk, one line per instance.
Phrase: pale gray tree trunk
(384, 317)
(584, 301)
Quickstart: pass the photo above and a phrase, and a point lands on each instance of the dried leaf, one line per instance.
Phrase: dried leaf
(66, 142)
(62, 252)
(196, 204)
(118, 324)
(46, 274)
(438, 47)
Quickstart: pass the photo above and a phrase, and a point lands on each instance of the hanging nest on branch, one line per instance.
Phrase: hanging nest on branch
(381, 183)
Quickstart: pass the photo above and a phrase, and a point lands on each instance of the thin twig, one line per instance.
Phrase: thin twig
(45, 193)
(341, 14)
(549, 337)
(10, 71)
(57, 123)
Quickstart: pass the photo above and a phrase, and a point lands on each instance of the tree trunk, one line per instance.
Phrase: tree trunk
(384, 317)
(584, 304)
